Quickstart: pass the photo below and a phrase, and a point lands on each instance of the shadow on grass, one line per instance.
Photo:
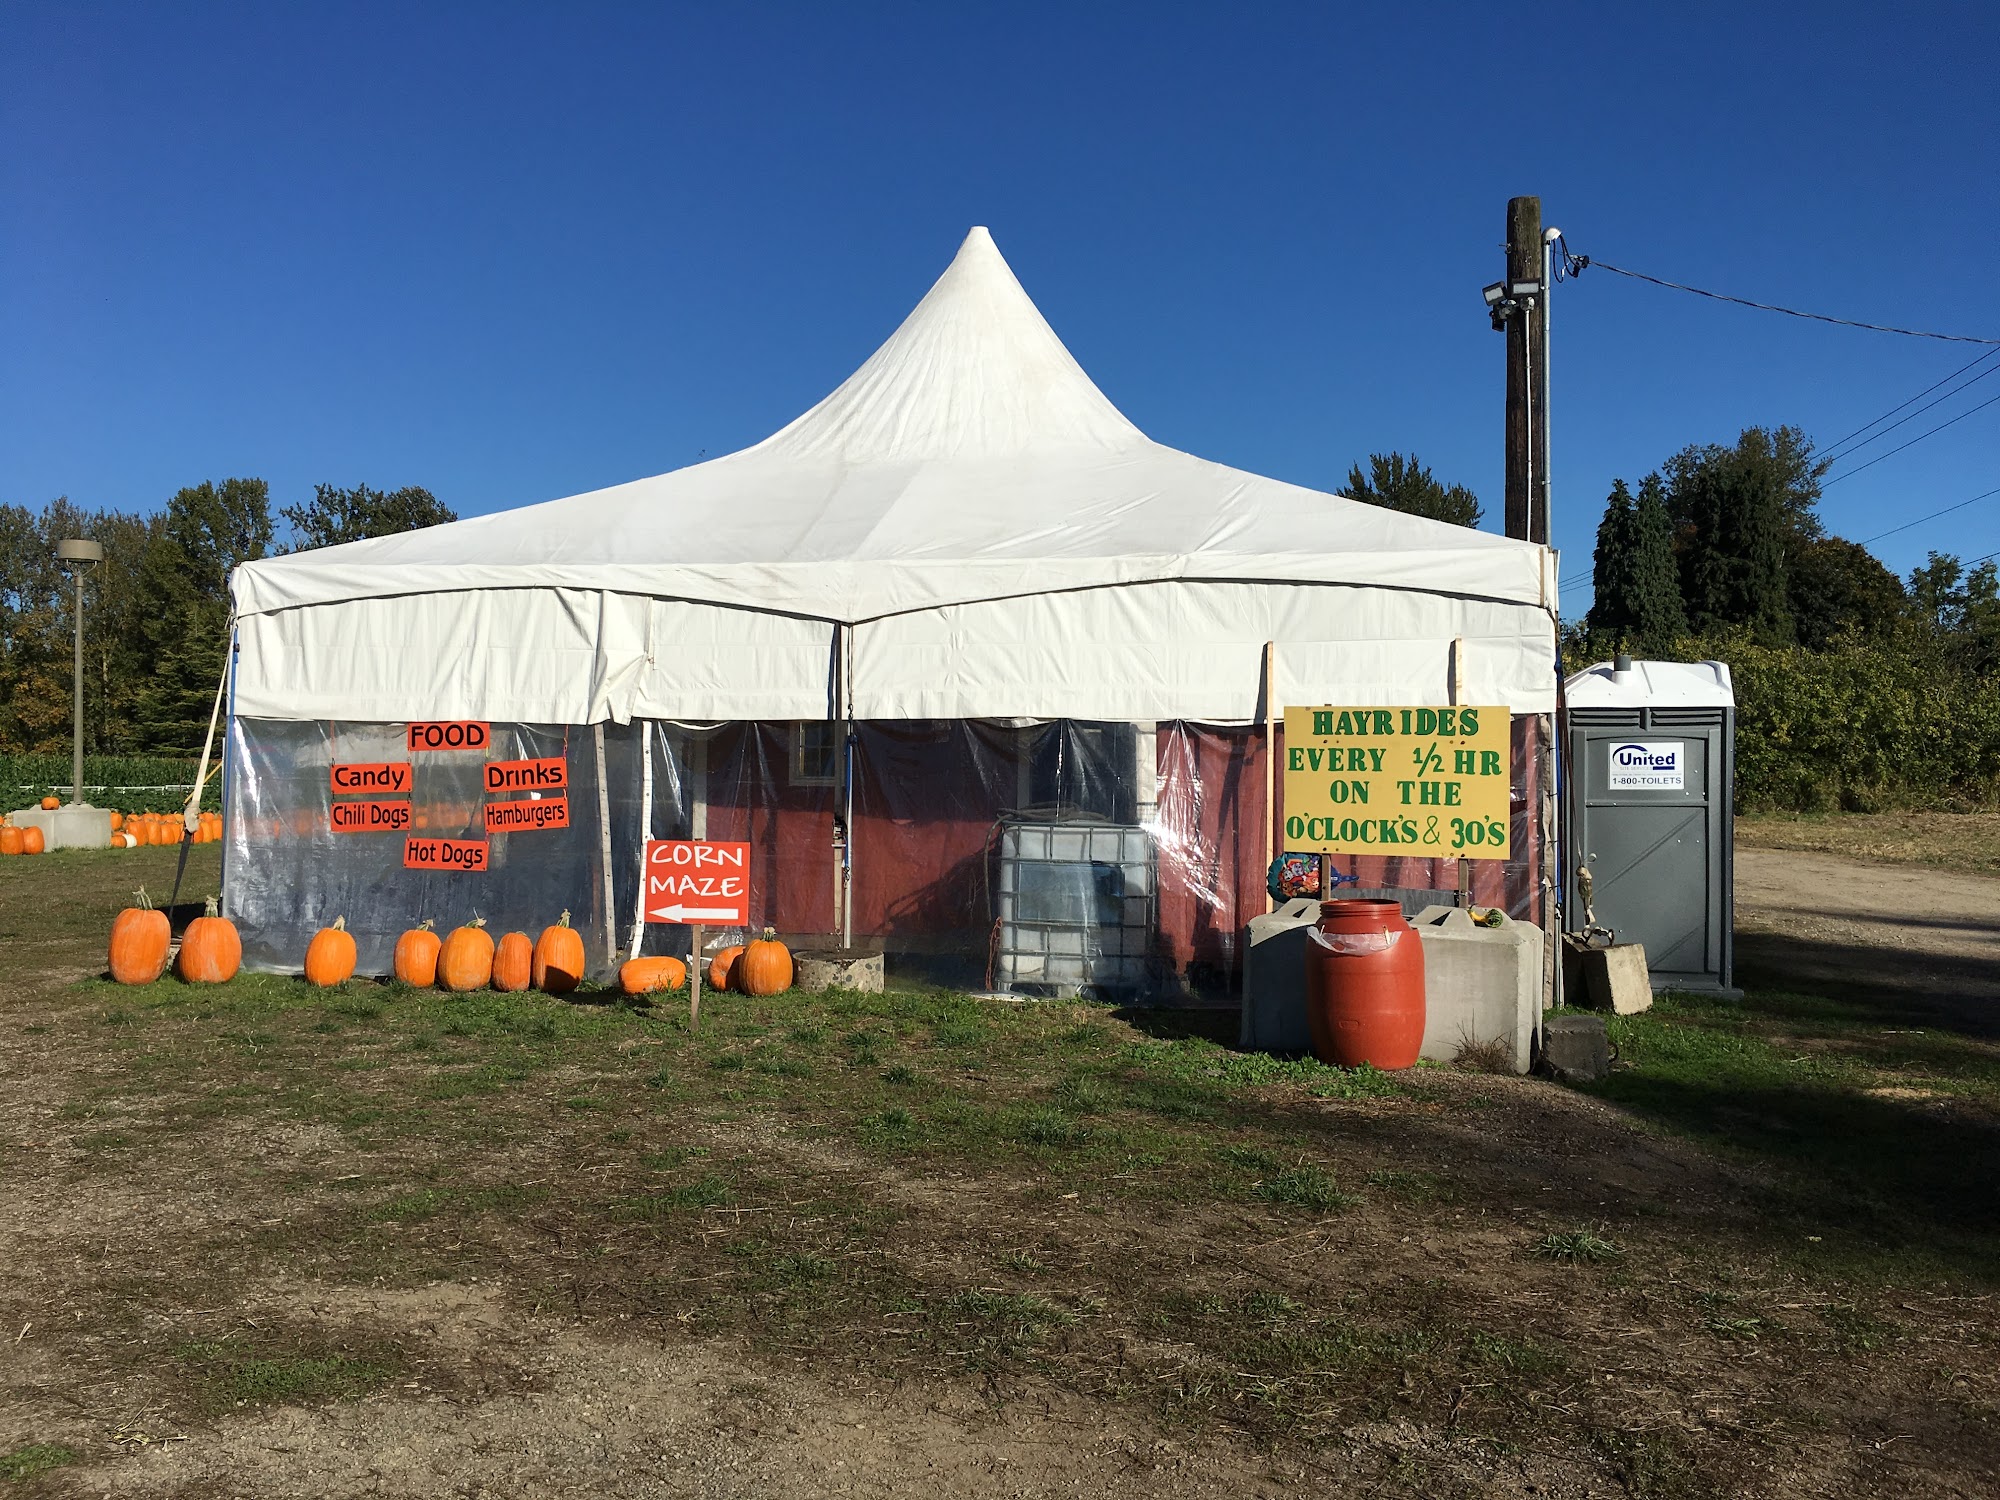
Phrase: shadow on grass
(1898, 986)
(1879, 1118)
(1221, 1027)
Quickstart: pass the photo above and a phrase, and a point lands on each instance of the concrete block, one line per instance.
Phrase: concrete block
(1274, 979)
(1481, 984)
(1575, 1048)
(837, 969)
(76, 826)
(1613, 979)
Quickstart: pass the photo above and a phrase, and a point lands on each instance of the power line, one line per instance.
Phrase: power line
(1833, 452)
(1575, 264)
(1913, 441)
(1979, 359)
(1931, 517)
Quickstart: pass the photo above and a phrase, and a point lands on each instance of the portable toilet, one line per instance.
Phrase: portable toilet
(1650, 787)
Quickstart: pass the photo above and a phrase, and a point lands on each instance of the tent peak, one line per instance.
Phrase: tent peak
(973, 372)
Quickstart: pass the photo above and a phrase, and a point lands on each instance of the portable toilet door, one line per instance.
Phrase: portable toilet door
(1651, 784)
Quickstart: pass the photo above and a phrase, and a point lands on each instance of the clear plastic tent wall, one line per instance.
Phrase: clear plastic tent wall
(1067, 856)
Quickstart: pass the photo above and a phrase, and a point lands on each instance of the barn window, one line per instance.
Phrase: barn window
(815, 754)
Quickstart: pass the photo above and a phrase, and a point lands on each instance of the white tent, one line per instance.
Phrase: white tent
(966, 528)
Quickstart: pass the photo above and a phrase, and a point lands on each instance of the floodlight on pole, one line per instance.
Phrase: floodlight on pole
(78, 554)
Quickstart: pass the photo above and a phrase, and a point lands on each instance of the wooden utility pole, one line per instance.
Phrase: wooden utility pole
(1527, 378)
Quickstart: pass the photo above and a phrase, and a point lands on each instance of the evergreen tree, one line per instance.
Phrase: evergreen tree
(1662, 617)
(184, 586)
(1740, 514)
(1398, 483)
(1613, 607)
(1638, 593)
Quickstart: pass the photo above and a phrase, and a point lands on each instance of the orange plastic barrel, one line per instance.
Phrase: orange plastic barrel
(1365, 985)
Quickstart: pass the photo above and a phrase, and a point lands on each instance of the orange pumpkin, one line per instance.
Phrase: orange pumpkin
(723, 965)
(416, 960)
(330, 955)
(641, 976)
(765, 967)
(465, 962)
(211, 949)
(558, 965)
(50, 804)
(32, 841)
(139, 939)
(117, 821)
(10, 839)
(513, 963)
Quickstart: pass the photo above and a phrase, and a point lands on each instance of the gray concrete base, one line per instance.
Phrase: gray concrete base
(1575, 1048)
(77, 826)
(838, 969)
(1613, 979)
(1482, 988)
(1482, 985)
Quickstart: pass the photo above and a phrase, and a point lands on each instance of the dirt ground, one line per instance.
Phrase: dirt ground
(1860, 924)
(266, 1243)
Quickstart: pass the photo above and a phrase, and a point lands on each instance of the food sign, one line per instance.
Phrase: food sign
(697, 881)
(1428, 782)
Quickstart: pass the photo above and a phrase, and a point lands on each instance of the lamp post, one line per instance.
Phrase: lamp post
(77, 555)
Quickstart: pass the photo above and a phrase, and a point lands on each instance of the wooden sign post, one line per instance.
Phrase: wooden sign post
(690, 883)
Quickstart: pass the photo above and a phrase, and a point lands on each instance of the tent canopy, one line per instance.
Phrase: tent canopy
(966, 527)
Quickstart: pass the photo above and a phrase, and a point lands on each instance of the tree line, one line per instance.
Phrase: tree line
(1855, 688)
(156, 610)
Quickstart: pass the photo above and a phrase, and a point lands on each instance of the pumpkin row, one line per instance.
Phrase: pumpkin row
(467, 959)
(145, 828)
(126, 833)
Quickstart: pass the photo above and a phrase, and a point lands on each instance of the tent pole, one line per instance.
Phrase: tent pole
(604, 835)
(645, 831)
(846, 852)
(1271, 764)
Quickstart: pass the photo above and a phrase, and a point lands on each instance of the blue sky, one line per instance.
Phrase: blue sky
(515, 252)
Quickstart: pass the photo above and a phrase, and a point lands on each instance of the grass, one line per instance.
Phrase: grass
(918, 1190)
(1877, 1127)
(34, 1458)
(261, 1371)
(1305, 1187)
(1577, 1247)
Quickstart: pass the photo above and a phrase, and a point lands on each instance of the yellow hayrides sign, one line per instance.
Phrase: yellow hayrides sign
(1410, 781)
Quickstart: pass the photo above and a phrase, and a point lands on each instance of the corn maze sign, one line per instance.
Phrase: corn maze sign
(1429, 782)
